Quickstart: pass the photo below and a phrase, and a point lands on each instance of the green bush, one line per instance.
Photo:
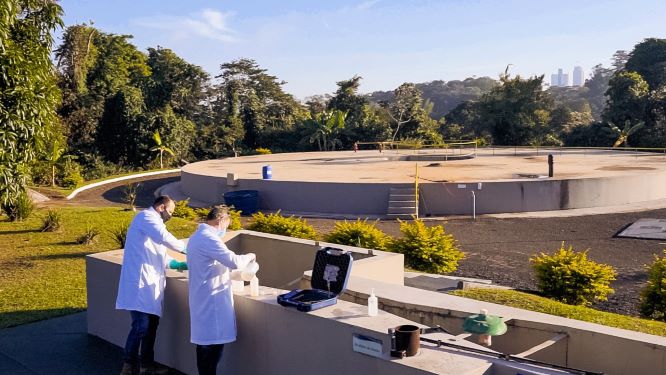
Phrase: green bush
(234, 214)
(358, 233)
(20, 209)
(119, 234)
(568, 276)
(653, 297)
(69, 174)
(184, 211)
(40, 173)
(52, 222)
(282, 225)
(89, 237)
(428, 249)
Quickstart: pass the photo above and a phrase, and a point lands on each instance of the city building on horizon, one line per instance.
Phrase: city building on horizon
(578, 78)
(560, 79)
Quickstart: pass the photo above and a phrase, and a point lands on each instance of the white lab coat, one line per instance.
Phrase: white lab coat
(142, 277)
(209, 260)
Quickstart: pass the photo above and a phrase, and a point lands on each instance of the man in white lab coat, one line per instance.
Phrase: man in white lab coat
(142, 281)
(212, 317)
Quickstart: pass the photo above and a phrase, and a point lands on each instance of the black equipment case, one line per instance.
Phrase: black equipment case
(329, 278)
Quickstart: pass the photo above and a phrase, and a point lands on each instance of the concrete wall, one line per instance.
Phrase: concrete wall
(283, 259)
(371, 199)
(589, 346)
(271, 339)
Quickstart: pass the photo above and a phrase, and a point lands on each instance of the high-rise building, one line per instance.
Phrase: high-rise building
(578, 78)
(560, 79)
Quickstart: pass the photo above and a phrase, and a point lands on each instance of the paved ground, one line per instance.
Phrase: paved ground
(59, 346)
(499, 248)
(489, 165)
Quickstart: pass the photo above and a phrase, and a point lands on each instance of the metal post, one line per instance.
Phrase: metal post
(550, 165)
(473, 205)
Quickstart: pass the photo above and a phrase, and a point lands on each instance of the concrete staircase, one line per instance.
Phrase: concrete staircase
(402, 203)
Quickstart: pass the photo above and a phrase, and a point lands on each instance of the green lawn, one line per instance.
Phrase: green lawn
(544, 305)
(43, 274)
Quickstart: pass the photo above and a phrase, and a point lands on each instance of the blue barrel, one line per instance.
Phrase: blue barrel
(267, 172)
(246, 201)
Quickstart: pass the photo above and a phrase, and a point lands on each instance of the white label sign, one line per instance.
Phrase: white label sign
(462, 186)
(367, 345)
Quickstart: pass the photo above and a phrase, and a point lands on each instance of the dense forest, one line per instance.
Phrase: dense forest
(96, 105)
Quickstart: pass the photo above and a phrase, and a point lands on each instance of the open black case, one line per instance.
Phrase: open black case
(329, 278)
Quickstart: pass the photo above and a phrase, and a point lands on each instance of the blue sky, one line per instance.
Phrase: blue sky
(312, 44)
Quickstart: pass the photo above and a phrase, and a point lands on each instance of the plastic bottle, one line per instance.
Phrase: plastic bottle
(372, 304)
(254, 287)
(237, 286)
(249, 271)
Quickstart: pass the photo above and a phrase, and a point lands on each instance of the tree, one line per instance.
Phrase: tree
(176, 131)
(326, 128)
(627, 98)
(160, 147)
(516, 112)
(648, 59)
(28, 91)
(623, 134)
(405, 106)
(54, 154)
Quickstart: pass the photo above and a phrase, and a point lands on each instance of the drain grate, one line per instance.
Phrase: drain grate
(646, 229)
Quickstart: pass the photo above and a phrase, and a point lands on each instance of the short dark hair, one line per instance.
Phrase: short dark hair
(217, 212)
(162, 199)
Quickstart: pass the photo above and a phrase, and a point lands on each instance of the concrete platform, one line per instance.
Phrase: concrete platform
(345, 183)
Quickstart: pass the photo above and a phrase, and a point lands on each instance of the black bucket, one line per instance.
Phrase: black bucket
(407, 338)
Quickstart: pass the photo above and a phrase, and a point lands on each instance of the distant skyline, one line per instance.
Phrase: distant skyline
(313, 44)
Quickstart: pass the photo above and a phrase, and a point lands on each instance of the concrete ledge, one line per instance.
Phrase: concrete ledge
(117, 179)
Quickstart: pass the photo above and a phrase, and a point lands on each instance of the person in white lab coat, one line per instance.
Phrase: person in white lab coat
(142, 281)
(212, 317)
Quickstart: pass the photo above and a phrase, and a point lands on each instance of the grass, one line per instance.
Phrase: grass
(43, 273)
(544, 305)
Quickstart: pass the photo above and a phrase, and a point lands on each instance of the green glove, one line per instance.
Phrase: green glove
(176, 265)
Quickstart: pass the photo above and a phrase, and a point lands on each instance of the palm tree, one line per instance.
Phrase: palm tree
(623, 135)
(54, 155)
(160, 147)
(327, 127)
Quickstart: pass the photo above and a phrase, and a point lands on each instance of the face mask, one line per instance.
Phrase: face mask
(165, 215)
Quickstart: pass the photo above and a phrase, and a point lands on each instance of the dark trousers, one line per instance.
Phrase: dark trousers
(142, 335)
(208, 357)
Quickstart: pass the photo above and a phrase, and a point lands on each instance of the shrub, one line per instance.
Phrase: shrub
(653, 296)
(70, 174)
(358, 233)
(428, 249)
(282, 225)
(89, 237)
(52, 222)
(119, 234)
(184, 211)
(20, 209)
(234, 214)
(263, 151)
(130, 193)
(40, 173)
(568, 276)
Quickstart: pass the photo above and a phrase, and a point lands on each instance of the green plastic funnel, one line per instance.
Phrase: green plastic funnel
(484, 324)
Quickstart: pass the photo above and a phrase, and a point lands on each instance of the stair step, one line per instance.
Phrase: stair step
(411, 204)
(401, 210)
(400, 216)
(402, 190)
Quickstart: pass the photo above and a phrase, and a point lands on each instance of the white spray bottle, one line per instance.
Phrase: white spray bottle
(372, 304)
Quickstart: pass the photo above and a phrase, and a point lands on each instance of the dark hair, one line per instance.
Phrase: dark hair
(162, 199)
(216, 212)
